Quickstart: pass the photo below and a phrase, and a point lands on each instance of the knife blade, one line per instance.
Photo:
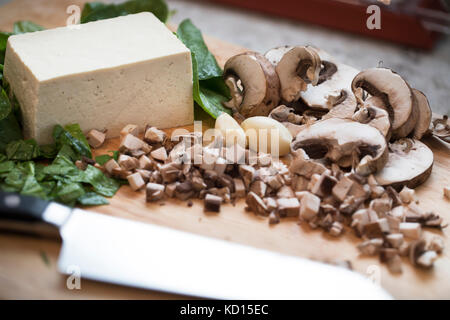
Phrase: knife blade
(130, 253)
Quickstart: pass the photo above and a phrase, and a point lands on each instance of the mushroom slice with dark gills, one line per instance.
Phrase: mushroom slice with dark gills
(340, 139)
(296, 67)
(397, 96)
(253, 84)
(335, 82)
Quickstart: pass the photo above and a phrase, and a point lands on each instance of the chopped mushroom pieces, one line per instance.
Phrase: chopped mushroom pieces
(110, 165)
(426, 259)
(256, 204)
(159, 154)
(411, 230)
(407, 195)
(310, 205)
(129, 129)
(370, 247)
(239, 188)
(127, 162)
(96, 138)
(154, 136)
(155, 192)
(395, 239)
(130, 142)
(288, 207)
(212, 203)
(135, 180)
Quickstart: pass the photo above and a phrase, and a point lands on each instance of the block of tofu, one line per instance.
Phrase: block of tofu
(102, 75)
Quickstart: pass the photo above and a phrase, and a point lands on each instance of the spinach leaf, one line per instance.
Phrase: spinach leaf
(92, 199)
(68, 193)
(22, 150)
(191, 36)
(9, 131)
(97, 11)
(72, 137)
(48, 151)
(3, 41)
(101, 183)
(1, 74)
(26, 26)
(209, 89)
(6, 166)
(209, 100)
(5, 105)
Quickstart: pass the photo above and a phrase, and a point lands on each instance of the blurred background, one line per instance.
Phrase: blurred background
(407, 41)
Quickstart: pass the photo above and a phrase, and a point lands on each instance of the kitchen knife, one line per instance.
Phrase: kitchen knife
(130, 253)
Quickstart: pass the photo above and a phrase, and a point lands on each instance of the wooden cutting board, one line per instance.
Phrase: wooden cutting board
(28, 266)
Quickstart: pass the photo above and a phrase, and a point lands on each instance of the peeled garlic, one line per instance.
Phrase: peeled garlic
(267, 135)
(231, 130)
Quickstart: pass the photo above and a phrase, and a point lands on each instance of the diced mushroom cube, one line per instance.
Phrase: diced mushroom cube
(212, 203)
(285, 192)
(274, 218)
(154, 136)
(135, 180)
(259, 187)
(342, 188)
(170, 189)
(247, 173)
(407, 195)
(129, 129)
(395, 264)
(288, 207)
(411, 230)
(130, 142)
(370, 247)
(145, 163)
(256, 204)
(381, 206)
(220, 165)
(427, 259)
(395, 239)
(145, 174)
(159, 154)
(336, 229)
(120, 173)
(239, 188)
(127, 162)
(96, 138)
(310, 205)
(154, 192)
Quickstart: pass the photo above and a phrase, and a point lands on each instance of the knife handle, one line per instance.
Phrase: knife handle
(26, 214)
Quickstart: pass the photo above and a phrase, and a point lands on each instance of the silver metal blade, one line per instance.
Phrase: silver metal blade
(146, 256)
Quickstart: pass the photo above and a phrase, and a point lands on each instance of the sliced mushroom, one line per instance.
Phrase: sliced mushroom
(441, 128)
(335, 80)
(345, 109)
(337, 139)
(398, 98)
(374, 116)
(296, 67)
(410, 163)
(424, 121)
(259, 81)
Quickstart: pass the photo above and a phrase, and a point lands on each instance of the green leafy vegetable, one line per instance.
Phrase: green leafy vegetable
(26, 26)
(9, 131)
(101, 183)
(73, 136)
(22, 150)
(3, 41)
(97, 11)
(92, 199)
(1, 74)
(5, 105)
(209, 89)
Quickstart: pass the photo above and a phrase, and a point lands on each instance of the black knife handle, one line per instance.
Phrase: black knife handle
(25, 214)
(14, 206)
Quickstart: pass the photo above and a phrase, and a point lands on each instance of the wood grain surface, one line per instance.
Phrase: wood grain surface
(28, 265)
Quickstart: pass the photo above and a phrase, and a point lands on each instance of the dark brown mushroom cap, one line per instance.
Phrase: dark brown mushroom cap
(260, 83)
(424, 120)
